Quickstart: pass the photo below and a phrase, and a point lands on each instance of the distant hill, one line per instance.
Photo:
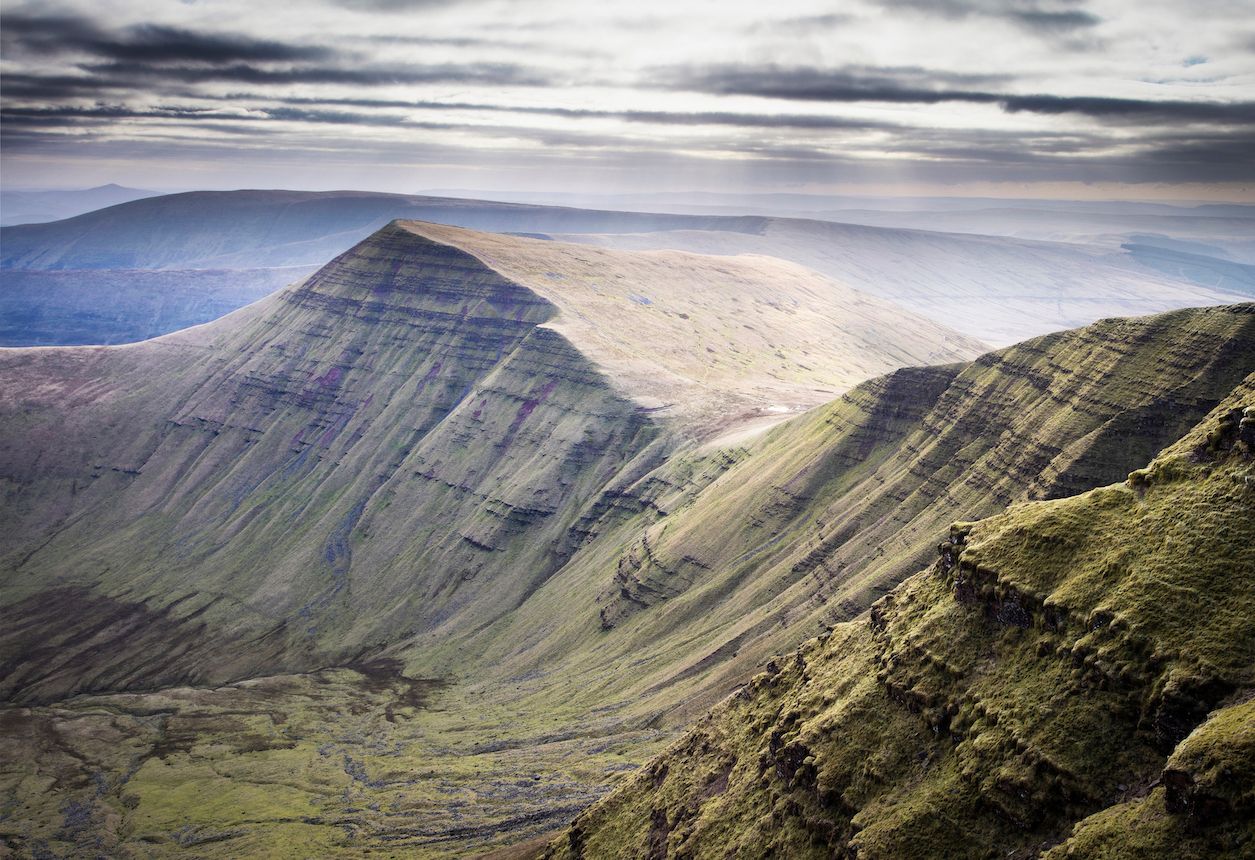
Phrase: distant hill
(997, 289)
(251, 229)
(30, 207)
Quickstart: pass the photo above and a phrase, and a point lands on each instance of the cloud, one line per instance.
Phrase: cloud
(903, 84)
(396, 5)
(912, 85)
(146, 42)
(499, 74)
(677, 118)
(1167, 111)
(1054, 23)
(802, 25)
(385, 79)
(1042, 17)
(142, 56)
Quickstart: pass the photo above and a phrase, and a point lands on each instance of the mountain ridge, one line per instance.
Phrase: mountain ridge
(447, 367)
(393, 535)
(1031, 693)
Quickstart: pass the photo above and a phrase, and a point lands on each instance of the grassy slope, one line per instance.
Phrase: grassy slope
(403, 444)
(547, 691)
(1072, 675)
(706, 343)
(541, 690)
(727, 556)
(998, 289)
(286, 471)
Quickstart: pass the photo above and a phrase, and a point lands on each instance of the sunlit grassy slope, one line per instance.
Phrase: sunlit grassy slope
(1071, 677)
(999, 289)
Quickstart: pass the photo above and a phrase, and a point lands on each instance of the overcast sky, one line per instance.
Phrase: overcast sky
(1109, 98)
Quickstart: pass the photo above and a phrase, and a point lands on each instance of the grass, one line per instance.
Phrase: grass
(1044, 680)
(440, 480)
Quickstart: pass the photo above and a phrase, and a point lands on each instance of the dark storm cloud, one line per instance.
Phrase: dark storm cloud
(1057, 18)
(1054, 22)
(1133, 109)
(145, 56)
(905, 84)
(53, 88)
(55, 34)
(497, 74)
(143, 77)
(920, 86)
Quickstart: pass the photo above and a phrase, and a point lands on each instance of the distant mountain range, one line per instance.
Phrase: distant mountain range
(997, 289)
(31, 207)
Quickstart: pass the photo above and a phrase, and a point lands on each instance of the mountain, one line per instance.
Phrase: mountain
(28, 207)
(426, 553)
(434, 404)
(109, 306)
(1070, 678)
(996, 289)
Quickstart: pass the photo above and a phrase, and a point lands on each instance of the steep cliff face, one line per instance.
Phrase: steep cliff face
(724, 557)
(393, 442)
(404, 443)
(1071, 677)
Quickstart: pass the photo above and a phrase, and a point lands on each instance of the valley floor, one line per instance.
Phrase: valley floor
(344, 761)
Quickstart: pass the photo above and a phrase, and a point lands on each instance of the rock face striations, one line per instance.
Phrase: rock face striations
(402, 412)
(1071, 678)
(407, 441)
(747, 550)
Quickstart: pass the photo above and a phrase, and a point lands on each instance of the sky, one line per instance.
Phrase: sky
(1110, 99)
